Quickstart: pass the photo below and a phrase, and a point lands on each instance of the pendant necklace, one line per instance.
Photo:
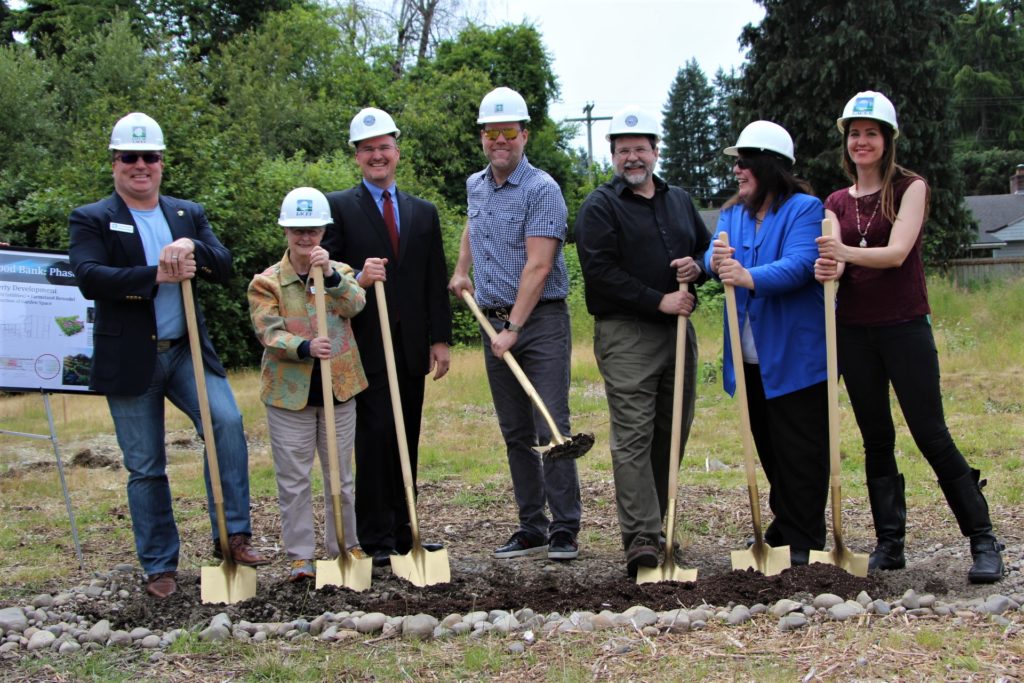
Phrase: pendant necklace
(864, 233)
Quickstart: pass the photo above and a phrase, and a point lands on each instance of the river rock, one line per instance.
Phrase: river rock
(371, 623)
(420, 626)
(99, 633)
(792, 622)
(41, 640)
(13, 619)
(826, 600)
(784, 607)
(739, 615)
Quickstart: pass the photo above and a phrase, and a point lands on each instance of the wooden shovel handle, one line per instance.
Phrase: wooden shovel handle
(513, 365)
(209, 439)
(320, 302)
(832, 369)
(741, 397)
(675, 445)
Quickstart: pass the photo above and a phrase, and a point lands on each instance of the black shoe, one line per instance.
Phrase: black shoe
(889, 514)
(970, 508)
(798, 557)
(643, 552)
(382, 558)
(429, 547)
(562, 546)
(521, 544)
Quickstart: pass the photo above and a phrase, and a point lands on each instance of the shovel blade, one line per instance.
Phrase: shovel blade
(346, 571)
(667, 571)
(763, 558)
(227, 584)
(422, 567)
(854, 563)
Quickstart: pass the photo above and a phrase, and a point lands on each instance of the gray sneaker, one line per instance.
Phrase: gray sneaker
(519, 545)
(563, 546)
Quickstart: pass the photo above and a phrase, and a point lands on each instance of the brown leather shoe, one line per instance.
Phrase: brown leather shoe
(242, 551)
(162, 584)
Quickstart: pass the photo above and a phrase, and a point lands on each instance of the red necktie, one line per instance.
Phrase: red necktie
(389, 220)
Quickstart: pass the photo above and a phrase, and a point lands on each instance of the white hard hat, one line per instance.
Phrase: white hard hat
(502, 105)
(305, 207)
(137, 132)
(633, 121)
(369, 123)
(870, 105)
(763, 136)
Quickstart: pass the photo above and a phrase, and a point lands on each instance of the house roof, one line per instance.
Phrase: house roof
(996, 211)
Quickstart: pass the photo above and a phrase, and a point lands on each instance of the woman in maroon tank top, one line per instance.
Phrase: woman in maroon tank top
(884, 334)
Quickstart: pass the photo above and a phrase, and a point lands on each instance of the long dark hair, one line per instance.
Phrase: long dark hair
(890, 170)
(775, 181)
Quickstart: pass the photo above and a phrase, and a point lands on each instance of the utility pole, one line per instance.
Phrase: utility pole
(589, 119)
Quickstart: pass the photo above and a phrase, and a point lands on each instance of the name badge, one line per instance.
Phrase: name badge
(122, 227)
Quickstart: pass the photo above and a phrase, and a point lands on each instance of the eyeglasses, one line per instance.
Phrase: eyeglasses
(510, 133)
(132, 157)
(383, 149)
(625, 152)
(744, 164)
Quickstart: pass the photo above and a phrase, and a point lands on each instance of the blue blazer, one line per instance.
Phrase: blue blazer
(110, 267)
(786, 306)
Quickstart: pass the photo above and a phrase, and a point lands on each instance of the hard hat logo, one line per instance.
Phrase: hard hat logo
(864, 105)
(631, 121)
(304, 207)
(139, 134)
(499, 107)
(369, 120)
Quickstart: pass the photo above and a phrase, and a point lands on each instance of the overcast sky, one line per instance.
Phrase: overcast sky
(616, 53)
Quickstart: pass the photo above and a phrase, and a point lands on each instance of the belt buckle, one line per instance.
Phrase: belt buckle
(501, 313)
(164, 345)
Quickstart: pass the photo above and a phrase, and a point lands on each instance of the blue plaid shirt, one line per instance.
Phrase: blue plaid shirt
(529, 204)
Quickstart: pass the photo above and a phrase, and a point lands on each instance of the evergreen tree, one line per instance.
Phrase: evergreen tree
(687, 150)
(807, 59)
(727, 87)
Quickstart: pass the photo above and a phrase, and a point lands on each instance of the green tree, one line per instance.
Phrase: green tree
(199, 27)
(50, 26)
(988, 171)
(988, 83)
(807, 59)
(687, 151)
(727, 126)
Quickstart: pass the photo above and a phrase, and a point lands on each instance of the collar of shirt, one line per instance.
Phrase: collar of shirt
(378, 192)
(620, 187)
(517, 176)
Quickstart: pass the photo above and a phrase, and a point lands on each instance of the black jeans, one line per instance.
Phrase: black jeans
(791, 436)
(870, 358)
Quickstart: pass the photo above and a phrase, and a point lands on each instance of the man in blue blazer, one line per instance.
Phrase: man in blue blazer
(395, 237)
(130, 252)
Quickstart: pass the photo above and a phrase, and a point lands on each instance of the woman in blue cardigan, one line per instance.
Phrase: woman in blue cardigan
(772, 223)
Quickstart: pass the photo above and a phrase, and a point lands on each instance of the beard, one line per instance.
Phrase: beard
(636, 175)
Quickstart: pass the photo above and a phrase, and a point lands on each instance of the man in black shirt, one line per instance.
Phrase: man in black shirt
(638, 240)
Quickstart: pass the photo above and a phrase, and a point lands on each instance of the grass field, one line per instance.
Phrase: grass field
(980, 336)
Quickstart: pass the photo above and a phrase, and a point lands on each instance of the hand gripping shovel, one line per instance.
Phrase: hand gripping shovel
(840, 556)
(668, 571)
(344, 570)
(760, 556)
(571, 447)
(419, 566)
(229, 583)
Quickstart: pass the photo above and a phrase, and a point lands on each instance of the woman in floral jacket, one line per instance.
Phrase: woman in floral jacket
(283, 313)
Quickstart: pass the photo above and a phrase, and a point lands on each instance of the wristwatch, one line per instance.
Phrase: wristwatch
(512, 327)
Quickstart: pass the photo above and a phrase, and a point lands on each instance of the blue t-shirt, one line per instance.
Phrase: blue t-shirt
(156, 234)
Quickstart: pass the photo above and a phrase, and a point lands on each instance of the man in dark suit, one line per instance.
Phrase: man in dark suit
(394, 237)
(130, 252)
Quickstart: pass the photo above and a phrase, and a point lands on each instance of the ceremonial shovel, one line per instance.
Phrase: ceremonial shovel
(840, 556)
(571, 447)
(229, 583)
(668, 571)
(345, 570)
(760, 555)
(420, 567)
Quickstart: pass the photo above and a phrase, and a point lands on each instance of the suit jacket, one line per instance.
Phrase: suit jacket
(416, 286)
(110, 267)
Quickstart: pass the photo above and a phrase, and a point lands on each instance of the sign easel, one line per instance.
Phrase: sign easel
(52, 438)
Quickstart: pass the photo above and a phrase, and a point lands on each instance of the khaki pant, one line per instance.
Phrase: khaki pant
(295, 435)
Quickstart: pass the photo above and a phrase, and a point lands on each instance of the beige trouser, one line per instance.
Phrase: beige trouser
(294, 437)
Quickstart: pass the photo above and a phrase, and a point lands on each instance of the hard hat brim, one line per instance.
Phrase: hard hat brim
(304, 222)
(396, 133)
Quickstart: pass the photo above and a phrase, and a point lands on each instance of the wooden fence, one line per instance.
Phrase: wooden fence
(974, 270)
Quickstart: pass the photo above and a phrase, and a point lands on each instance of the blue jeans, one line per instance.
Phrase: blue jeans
(139, 423)
(904, 355)
(543, 350)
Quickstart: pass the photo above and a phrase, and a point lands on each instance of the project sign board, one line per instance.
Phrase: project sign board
(45, 323)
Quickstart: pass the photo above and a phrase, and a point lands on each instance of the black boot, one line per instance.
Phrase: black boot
(889, 510)
(971, 510)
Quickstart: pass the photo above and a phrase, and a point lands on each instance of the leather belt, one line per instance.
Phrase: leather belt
(502, 312)
(163, 345)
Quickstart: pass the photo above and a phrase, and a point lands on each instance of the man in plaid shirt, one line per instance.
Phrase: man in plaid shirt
(513, 240)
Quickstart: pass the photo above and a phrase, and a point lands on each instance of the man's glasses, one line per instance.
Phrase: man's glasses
(383, 149)
(510, 133)
(132, 157)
